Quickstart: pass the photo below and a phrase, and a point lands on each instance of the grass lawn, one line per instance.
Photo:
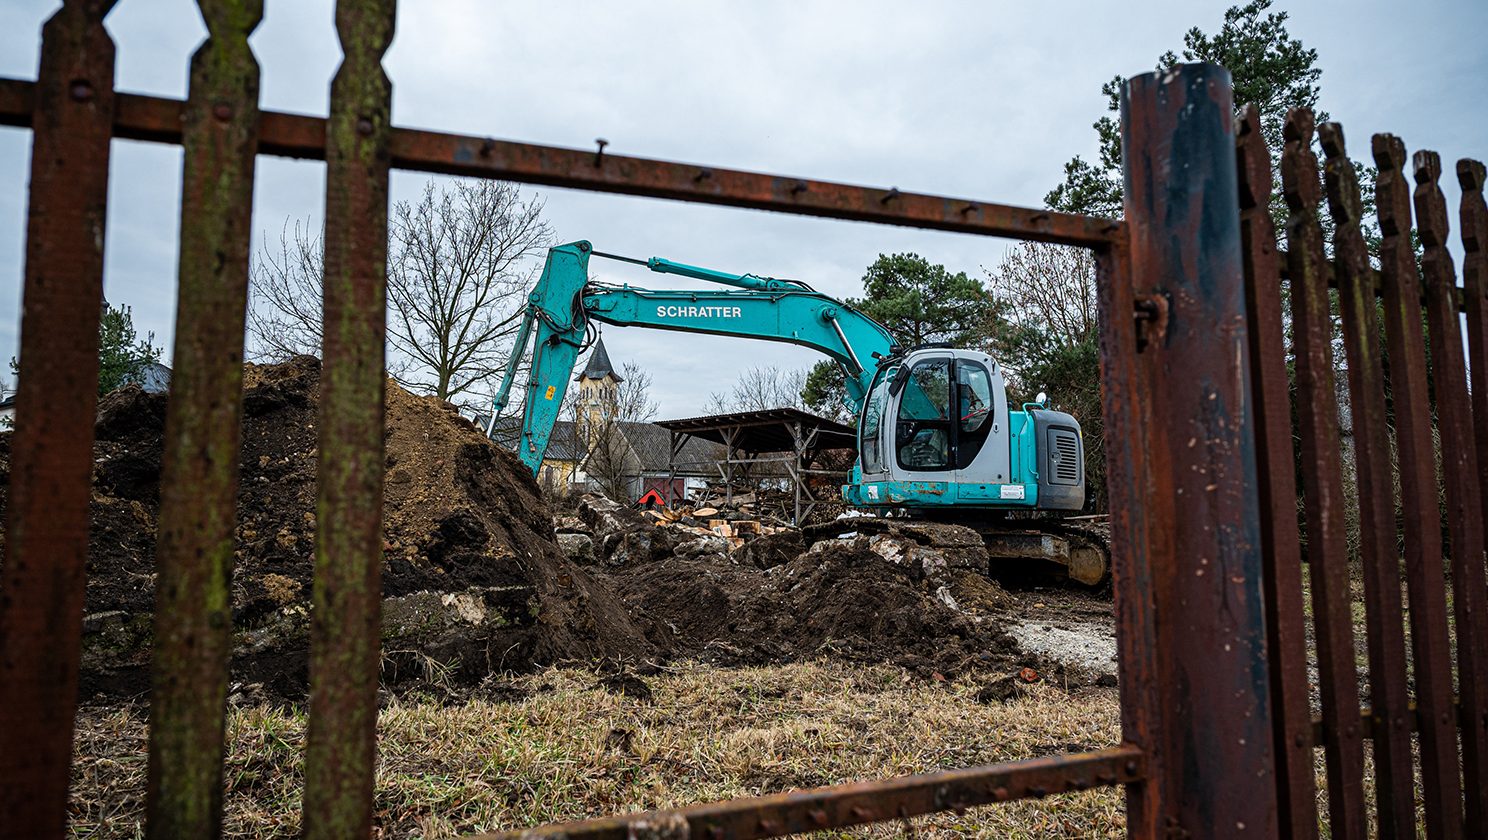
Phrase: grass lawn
(562, 747)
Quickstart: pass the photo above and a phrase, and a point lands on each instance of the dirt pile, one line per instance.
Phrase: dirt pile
(472, 579)
(893, 595)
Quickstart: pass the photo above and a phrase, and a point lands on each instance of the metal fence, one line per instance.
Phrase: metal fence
(1218, 736)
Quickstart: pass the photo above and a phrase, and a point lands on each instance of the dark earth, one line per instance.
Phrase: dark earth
(474, 582)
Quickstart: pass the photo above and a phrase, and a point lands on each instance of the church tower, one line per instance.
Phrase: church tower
(599, 388)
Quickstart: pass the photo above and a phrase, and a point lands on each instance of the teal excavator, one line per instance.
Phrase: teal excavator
(936, 437)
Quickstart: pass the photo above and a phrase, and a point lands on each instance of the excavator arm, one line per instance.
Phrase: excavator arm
(565, 302)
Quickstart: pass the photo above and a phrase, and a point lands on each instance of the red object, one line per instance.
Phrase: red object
(652, 498)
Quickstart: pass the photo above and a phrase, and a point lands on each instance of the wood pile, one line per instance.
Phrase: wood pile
(712, 521)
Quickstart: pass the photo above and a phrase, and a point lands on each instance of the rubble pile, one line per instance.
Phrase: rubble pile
(877, 590)
(479, 577)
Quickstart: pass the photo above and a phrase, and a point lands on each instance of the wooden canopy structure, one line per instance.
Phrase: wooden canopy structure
(789, 437)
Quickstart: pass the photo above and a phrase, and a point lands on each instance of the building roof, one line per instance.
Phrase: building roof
(155, 379)
(563, 444)
(766, 431)
(652, 444)
(599, 364)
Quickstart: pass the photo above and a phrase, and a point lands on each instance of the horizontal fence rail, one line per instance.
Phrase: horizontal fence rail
(863, 802)
(157, 119)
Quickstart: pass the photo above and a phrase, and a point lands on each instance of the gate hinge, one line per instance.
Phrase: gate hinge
(1151, 314)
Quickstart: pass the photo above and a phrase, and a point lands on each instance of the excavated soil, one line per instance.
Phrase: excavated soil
(474, 580)
(839, 599)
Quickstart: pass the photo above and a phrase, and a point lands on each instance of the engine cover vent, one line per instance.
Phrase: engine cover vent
(1065, 462)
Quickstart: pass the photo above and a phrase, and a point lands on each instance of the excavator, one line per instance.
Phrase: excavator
(936, 439)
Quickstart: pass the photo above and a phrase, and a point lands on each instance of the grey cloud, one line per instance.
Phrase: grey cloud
(977, 99)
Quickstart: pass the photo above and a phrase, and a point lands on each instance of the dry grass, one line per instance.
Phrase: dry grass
(570, 749)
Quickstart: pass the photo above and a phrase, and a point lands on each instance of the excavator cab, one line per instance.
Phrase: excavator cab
(936, 431)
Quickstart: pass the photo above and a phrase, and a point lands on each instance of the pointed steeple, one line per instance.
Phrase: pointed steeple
(599, 365)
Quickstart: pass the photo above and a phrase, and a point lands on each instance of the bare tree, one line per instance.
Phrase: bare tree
(284, 290)
(608, 462)
(633, 402)
(759, 389)
(1051, 287)
(1049, 339)
(458, 262)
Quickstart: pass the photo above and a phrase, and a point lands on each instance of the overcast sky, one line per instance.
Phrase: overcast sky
(985, 100)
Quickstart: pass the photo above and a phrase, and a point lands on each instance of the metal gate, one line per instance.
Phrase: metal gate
(1219, 735)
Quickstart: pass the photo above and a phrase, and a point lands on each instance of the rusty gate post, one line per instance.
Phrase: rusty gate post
(1208, 736)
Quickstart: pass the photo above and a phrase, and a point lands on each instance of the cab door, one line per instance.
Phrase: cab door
(924, 427)
(876, 430)
(981, 434)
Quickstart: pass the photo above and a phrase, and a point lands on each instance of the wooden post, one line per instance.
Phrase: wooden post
(728, 465)
(798, 445)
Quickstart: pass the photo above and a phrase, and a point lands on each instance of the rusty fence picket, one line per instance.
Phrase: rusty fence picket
(346, 631)
(1322, 481)
(1425, 588)
(199, 462)
(1281, 551)
(1473, 215)
(1474, 220)
(1463, 493)
(1379, 560)
(46, 516)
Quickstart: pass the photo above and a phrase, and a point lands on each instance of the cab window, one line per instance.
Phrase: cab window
(873, 408)
(974, 408)
(923, 427)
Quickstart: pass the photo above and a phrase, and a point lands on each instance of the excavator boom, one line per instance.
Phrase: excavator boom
(565, 302)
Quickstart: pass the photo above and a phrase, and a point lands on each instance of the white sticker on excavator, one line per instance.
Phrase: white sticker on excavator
(872, 491)
(1012, 491)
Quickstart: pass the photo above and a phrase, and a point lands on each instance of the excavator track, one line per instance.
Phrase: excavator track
(1086, 554)
(1076, 548)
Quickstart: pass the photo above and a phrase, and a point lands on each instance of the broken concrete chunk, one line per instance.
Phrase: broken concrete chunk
(569, 525)
(702, 546)
(579, 548)
(605, 517)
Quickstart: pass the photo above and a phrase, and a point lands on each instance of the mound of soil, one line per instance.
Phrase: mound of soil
(840, 599)
(472, 579)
